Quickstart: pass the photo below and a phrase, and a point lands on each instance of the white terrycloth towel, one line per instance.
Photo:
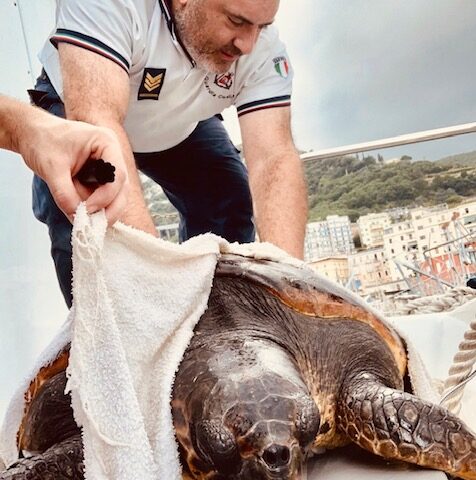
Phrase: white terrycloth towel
(136, 302)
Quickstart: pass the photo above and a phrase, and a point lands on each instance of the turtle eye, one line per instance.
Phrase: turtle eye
(216, 445)
(240, 418)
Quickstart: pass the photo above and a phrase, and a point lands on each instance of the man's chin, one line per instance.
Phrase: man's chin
(214, 65)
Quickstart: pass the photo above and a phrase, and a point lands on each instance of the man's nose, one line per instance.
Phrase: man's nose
(246, 40)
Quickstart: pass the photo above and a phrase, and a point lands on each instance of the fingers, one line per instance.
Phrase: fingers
(115, 209)
(110, 196)
(96, 142)
(65, 195)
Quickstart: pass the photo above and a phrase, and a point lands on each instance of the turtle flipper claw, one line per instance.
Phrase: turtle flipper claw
(397, 425)
(62, 461)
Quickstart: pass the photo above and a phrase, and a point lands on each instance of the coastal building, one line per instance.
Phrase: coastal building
(332, 236)
(336, 268)
(371, 228)
(340, 233)
(369, 269)
(429, 232)
(317, 243)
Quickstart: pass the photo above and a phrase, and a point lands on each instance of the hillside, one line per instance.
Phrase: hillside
(463, 159)
(355, 187)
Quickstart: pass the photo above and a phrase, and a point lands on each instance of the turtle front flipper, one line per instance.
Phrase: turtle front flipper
(398, 425)
(63, 461)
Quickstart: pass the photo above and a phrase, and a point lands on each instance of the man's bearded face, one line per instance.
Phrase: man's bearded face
(217, 32)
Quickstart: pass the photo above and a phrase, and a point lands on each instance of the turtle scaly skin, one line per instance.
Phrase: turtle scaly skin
(62, 461)
(282, 363)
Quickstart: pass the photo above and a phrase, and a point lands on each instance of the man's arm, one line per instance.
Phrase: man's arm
(56, 149)
(96, 90)
(276, 178)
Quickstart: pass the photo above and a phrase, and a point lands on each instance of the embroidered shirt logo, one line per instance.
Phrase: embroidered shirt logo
(224, 80)
(281, 66)
(151, 84)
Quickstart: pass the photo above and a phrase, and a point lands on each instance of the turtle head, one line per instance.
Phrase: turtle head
(265, 439)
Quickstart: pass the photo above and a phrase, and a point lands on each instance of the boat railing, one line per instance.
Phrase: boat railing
(406, 139)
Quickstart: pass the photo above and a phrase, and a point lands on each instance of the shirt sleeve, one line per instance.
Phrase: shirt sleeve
(101, 26)
(269, 83)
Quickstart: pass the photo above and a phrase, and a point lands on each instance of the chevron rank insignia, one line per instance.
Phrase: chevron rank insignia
(151, 84)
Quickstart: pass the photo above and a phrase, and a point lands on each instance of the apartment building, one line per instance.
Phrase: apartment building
(317, 243)
(336, 268)
(332, 236)
(340, 232)
(466, 213)
(369, 269)
(371, 228)
(428, 232)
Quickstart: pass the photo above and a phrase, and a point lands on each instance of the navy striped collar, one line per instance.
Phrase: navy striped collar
(166, 8)
(166, 11)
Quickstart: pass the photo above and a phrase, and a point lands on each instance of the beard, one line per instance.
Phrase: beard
(192, 26)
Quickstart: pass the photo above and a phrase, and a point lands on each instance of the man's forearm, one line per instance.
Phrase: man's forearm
(96, 90)
(136, 213)
(280, 202)
(14, 117)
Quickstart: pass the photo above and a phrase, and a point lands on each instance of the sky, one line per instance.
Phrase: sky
(364, 70)
(372, 69)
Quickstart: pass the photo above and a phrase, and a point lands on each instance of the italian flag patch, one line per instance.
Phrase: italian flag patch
(281, 66)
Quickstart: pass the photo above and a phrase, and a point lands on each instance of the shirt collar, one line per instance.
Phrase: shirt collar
(166, 7)
(167, 12)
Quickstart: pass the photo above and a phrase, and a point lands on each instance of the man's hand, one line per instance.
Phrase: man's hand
(56, 149)
(276, 179)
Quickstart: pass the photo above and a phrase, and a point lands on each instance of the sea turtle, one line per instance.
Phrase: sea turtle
(282, 363)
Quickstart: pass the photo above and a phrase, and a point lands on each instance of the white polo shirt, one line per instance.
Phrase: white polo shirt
(169, 95)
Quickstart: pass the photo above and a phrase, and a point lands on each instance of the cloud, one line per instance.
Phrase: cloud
(370, 69)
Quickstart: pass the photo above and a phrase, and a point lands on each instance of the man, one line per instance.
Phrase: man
(158, 73)
(56, 149)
